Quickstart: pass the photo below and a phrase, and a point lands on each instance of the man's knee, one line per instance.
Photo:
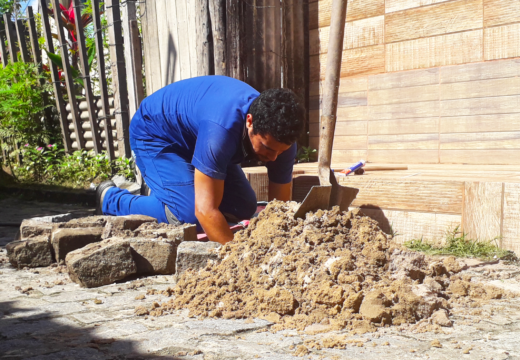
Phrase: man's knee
(250, 205)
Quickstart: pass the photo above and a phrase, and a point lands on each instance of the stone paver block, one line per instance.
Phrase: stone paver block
(154, 256)
(101, 263)
(184, 232)
(195, 255)
(32, 228)
(117, 224)
(66, 240)
(33, 252)
(86, 222)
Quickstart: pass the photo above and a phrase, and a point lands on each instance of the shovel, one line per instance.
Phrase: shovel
(330, 193)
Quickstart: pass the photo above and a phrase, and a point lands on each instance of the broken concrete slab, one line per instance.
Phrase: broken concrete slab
(184, 232)
(154, 256)
(195, 255)
(66, 240)
(101, 263)
(33, 252)
(117, 224)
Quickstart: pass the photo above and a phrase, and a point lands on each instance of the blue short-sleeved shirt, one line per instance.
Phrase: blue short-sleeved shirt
(203, 120)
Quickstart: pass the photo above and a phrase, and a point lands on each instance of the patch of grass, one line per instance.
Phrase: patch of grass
(458, 244)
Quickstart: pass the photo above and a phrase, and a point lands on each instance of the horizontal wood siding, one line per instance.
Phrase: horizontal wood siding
(423, 81)
(498, 12)
(435, 196)
(438, 19)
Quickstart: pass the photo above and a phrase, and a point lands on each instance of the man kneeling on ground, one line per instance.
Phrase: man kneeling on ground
(188, 140)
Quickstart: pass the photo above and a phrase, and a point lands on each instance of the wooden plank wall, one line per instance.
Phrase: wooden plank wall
(428, 81)
(415, 209)
(171, 39)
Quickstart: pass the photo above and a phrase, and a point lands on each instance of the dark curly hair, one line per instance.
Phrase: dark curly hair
(279, 113)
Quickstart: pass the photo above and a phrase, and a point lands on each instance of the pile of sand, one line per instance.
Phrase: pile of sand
(334, 269)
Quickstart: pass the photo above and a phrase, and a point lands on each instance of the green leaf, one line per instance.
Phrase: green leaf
(91, 52)
(57, 60)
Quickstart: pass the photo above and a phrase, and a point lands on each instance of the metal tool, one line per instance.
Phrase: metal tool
(330, 193)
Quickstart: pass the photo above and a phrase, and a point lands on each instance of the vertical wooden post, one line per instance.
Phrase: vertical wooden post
(33, 37)
(133, 57)
(69, 82)
(3, 49)
(137, 62)
(234, 38)
(103, 87)
(82, 48)
(217, 10)
(205, 64)
(11, 37)
(37, 60)
(129, 14)
(22, 40)
(294, 64)
(152, 56)
(117, 61)
(60, 105)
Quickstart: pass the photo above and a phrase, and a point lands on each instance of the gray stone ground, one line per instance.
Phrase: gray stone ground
(43, 315)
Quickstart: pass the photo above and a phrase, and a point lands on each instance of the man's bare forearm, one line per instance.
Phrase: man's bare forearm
(215, 226)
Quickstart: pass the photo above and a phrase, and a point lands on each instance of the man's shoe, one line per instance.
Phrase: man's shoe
(100, 194)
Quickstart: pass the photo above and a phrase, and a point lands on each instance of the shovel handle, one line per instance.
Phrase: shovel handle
(331, 89)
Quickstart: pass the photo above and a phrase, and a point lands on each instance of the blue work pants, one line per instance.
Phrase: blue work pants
(170, 178)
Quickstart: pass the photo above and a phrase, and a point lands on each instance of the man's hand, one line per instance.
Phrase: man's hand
(208, 196)
(280, 191)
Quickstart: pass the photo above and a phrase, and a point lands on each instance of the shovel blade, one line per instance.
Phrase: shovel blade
(342, 196)
(317, 198)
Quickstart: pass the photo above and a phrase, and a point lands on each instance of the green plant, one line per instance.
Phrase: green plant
(306, 154)
(21, 103)
(458, 244)
(125, 166)
(84, 166)
(50, 165)
(39, 163)
(22, 109)
(9, 6)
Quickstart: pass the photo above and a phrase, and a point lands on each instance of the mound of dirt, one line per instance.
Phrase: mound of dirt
(333, 269)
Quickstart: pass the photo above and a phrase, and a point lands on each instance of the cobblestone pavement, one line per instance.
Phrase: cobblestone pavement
(14, 210)
(43, 315)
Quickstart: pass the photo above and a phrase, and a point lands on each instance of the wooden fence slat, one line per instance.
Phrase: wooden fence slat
(11, 37)
(103, 87)
(294, 47)
(117, 60)
(37, 60)
(203, 38)
(60, 104)
(183, 54)
(234, 36)
(273, 33)
(217, 10)
(251, 29)
(137, 59)
(22, 40)
(3, 49)
(129, 14)
(260, 38)
(33, 37)
(69, 82)
(87, 83)
(152, 58)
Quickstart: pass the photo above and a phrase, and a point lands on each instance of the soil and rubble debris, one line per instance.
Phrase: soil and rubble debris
(330, 271)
